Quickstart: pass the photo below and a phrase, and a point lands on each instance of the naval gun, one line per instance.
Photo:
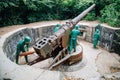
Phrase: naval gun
(57, 45)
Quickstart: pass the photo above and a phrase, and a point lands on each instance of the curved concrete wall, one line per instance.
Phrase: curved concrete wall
(11, 41)
(10, 70)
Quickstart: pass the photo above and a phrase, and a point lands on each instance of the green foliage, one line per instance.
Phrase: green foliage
(27, 11)
(81, 5)
(110, 15)
(108, 11)
(90, 16)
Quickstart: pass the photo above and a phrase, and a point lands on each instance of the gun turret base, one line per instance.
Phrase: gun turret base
(75, 62)
(76, 56)
(68, 59)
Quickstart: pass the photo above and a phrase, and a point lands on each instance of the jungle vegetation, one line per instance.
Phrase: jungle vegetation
(13, 12)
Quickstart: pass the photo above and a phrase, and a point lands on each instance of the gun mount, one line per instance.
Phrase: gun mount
(57, 44)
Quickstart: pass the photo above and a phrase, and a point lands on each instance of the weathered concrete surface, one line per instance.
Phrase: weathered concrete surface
(108, 65)
(12, 40)
(10, 70)
(43, 64)
(104, 61)
(89, 72)
(112, 76)
(35, 32)
(44, 30)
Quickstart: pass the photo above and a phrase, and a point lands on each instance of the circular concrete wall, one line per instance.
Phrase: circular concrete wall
(11, 71)
(11, 41)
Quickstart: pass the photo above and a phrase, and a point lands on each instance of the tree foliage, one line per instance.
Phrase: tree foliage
(26, 11)
(108, 11)
(110, 15)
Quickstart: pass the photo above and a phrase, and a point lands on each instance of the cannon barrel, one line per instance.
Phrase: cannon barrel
(48, 45)
(79, 17)
(71, 23)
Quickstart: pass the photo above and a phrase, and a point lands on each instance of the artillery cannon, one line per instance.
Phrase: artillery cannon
(58, 42)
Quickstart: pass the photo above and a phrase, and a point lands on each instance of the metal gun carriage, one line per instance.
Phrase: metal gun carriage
(57, 45)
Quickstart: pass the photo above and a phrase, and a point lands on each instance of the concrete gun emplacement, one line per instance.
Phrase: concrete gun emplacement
(58, 43)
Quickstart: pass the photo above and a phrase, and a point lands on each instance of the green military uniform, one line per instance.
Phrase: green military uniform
(57, 27)
(73, 38)
(96, 38)
(23, 46)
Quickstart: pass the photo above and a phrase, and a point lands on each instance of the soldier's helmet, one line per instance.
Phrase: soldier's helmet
(58, 25)
(77, 26)
(97, 31)
(27, 39)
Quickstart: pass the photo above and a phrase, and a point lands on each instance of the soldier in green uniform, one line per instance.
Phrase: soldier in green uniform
(96, 38)
(23, 46)
(73, 38)
(57, 27)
